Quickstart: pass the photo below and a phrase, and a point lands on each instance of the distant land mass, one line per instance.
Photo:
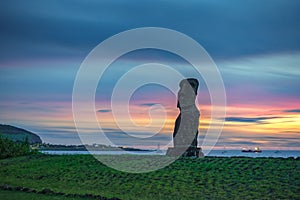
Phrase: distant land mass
(93, 147)
(18, 134)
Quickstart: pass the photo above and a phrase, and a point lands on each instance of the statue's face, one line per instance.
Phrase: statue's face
(186, 87)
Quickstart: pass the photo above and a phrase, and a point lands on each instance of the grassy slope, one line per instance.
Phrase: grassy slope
(214, 178)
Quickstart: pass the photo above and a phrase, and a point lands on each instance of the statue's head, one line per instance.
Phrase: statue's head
(194, 83)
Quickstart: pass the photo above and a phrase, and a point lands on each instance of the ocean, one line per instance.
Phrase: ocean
(215, 153)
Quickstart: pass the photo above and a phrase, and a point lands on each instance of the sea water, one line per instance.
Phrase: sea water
(216, 153)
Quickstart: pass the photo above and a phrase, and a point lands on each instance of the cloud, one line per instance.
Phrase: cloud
(292, 111)
(261, 78)
(120, 138)
(104, 110)
(260, 42)
(248, 119)
(227, 29)
(147, 104)
(263, 141)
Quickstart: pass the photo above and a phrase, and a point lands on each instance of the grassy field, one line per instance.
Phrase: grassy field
(203, 178)
(4, 194)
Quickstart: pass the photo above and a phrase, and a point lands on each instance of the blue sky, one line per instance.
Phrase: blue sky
(64, 28)
(255, 44)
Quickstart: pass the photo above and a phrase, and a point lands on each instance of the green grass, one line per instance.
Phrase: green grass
(203, 178)
(9, 148)
(16, 195)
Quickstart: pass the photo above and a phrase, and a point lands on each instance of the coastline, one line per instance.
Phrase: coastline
(213, 153)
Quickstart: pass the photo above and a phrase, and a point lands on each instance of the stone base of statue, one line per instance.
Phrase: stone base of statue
(195, 152)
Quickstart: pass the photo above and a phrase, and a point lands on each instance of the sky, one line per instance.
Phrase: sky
(255, 45)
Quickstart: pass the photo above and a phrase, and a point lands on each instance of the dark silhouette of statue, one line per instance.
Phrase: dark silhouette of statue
(186, 125)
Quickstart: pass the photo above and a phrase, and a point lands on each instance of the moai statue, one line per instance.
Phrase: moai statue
(186, 125)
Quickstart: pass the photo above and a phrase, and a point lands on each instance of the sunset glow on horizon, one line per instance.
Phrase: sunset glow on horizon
(258, 59)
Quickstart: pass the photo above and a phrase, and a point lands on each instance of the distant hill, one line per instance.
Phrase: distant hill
(18, 134)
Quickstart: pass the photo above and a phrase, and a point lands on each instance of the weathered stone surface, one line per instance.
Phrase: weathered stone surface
(186, 125)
